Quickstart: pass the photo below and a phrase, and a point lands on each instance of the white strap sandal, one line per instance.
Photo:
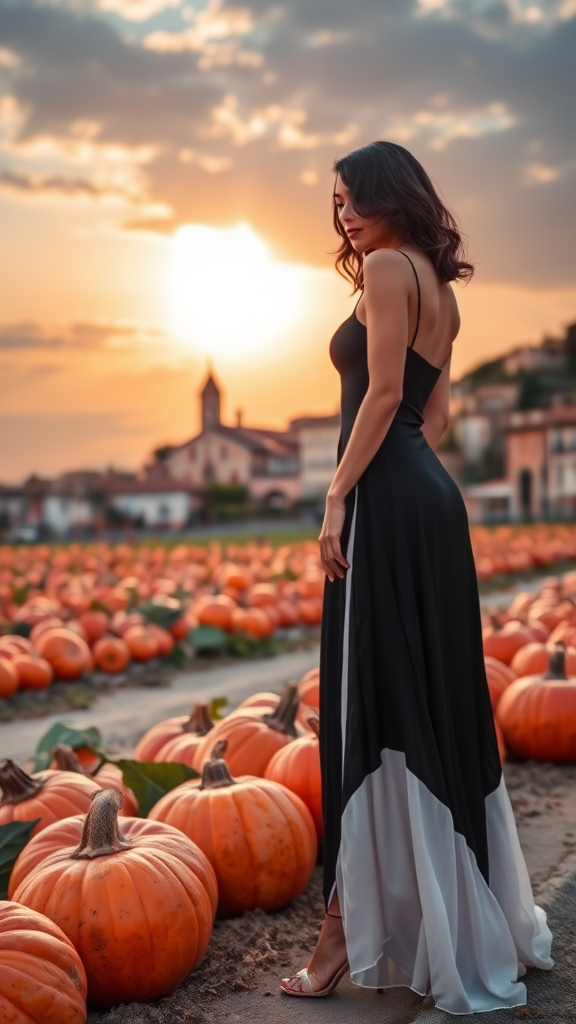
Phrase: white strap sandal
(304, 975)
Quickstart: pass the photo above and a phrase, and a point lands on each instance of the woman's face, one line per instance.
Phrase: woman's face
(364, 233)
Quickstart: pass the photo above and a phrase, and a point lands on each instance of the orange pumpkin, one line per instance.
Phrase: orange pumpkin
(34, 673)
(142, 642)
(503, 642)
(53, 622)
(252, 737)
(297, 766)
(49, 795)
(310, 610)
(499, 676)
(181, 736)
(259, 837)
(42, 977)
(537, 713)
(309, 688)
(164, 638)
(111, 654)
(13, 644)
(215, 610)
(68, 654)
(107, 775)
(121, 621)
(534, 658)
(95, 624)
(253, 621)
(269, 702)
(146, 892)
(9, 679)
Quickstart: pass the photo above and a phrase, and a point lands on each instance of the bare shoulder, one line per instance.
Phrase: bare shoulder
(384, 261)
(385, 269)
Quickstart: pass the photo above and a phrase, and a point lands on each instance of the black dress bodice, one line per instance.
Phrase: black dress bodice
(349, 354)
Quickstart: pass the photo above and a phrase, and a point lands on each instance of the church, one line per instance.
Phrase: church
(268, 463)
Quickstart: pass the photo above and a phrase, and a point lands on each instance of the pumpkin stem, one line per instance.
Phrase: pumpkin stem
(283, 717)
(493, 615)
(314, 724)
(101, 835)
(215, 771)
(199, 723)
(66, 759)
(16, 785)
(557, 662)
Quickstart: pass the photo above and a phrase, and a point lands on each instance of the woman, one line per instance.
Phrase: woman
(425, 884)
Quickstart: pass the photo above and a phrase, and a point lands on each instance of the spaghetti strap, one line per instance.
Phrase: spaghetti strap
(419, 301)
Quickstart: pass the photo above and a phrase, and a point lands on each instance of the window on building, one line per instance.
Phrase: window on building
(560, 476)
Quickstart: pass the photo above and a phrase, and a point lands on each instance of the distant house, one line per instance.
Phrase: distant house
(548, 357)
(265, 461)
(318, 439)
(541, 462)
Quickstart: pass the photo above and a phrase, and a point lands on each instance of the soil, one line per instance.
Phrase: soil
(256, 950)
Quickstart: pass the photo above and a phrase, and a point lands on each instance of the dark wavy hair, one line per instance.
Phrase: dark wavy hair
(386, 181)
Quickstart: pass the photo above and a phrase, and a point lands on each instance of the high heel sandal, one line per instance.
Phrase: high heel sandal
(305, 974)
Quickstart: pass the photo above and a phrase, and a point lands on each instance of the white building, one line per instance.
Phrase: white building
(318, 438)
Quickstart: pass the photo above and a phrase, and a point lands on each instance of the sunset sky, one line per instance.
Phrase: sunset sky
(165, 184)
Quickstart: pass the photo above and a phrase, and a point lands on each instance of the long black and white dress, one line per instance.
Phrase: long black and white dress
(420, 837)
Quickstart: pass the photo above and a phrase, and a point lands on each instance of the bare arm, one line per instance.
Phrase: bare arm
(437, 408)
(386, 292)
(385, 299)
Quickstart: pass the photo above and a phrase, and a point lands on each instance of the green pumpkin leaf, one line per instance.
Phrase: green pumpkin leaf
(151, 780)
(13, 839)
(161, 614)
(208, 638)
(217, 706)
(62, 733)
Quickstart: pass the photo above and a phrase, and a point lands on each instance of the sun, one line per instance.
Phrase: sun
(227, 296)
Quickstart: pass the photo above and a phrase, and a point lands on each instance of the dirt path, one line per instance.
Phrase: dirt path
(124, 716)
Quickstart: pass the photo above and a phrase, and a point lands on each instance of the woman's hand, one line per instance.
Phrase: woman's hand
(330, 552)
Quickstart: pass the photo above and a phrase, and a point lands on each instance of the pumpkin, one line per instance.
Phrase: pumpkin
(9, 680)
(48, 795)
(252, 737)
(42, 979)
(537, 713)
(107, 775)
(111, 654)
(503, 642)
(13, 644)
(121, 621)
(95, 624)
(253, 621)
(499, 676)
(534, 658)
(259, 837)
(141, 641)
(68, 654)
(269, 702)
(137, 904)
(215, 610)
(164, 638)
(297, 766)
(34, 673)
(54, 622)
(310, 610)
(309, 688)
(181, 736)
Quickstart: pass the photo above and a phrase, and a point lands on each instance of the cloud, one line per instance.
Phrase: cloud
(236, 111)
(89, 335)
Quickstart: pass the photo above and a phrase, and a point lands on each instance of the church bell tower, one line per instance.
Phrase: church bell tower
(210, 403)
